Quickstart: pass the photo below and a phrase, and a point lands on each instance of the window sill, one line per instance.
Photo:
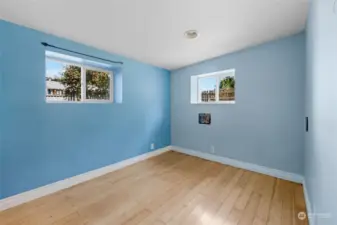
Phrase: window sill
(213, 103)
(80, 102)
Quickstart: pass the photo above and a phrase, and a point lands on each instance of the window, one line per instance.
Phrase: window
(213, 88)
(207, 89)
(72, 79)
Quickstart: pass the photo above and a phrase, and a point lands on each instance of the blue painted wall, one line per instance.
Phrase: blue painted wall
(321, 107)
(1, 105)
(266, 125)
(44, 143)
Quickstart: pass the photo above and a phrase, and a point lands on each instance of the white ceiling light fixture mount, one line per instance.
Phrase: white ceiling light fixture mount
(191, 34)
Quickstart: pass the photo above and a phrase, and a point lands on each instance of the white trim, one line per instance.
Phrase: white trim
(69, 182)
(217, 89)
(83, 83)
(76, 60)
(112, 87)
(84, 68)
(89, 101)
(308, 204)
(214, 103)
(243, 165)
(217, 73)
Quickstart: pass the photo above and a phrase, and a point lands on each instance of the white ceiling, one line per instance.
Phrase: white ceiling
(152, 31)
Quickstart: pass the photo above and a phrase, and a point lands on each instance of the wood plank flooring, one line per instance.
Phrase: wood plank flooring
(169, 189)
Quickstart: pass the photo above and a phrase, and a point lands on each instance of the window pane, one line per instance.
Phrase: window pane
(63, 81)
(207, 87)
(227, 87)
(97, 85)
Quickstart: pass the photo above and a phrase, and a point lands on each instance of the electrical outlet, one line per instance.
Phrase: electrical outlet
(212, 149)
(152, 146)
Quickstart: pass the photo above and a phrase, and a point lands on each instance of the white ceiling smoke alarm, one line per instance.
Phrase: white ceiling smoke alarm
(191, 34)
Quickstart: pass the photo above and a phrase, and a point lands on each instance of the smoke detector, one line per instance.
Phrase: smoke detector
(191, 34)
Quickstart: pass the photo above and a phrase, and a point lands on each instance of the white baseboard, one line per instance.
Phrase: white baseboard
(308, 204)
(243, 165)
(69, 182)
(63, 184)
(255, 168)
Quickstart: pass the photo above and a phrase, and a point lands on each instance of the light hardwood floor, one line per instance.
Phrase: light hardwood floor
(168, 189)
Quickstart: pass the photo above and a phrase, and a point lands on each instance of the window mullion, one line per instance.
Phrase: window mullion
(83, 83)
(198, 92)
(217, 89)
(111, 90)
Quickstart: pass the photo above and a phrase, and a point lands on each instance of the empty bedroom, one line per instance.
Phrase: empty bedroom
(190, 112)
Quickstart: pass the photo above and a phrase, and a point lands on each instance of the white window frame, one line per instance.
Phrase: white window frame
(196, 91)
(83, 83)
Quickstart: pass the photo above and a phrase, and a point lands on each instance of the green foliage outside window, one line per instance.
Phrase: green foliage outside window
(228, 82)
(97, 84)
